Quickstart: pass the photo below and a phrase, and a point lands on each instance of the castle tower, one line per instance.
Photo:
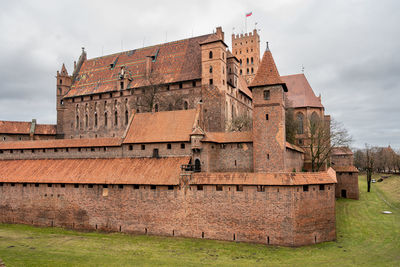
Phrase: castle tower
(63, 86)
(246, 47)
(269, 140)
(213, 61)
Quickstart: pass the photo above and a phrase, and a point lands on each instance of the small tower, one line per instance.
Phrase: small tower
(213, 61)
(63, 86)
(246, 47)
(269, 140)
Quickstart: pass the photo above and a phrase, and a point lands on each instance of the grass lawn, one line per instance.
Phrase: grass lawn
(365, 237)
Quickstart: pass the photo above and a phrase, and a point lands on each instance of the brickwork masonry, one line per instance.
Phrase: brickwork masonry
(275, 215)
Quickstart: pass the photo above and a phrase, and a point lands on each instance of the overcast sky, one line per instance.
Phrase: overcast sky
(348, 49)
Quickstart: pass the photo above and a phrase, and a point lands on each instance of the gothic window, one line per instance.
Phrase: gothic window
(210, 55)
(300, 123)
(185, 105)
(252, 61)
(211, 81)
(247, 61)
(266, 94)
(248, 71)
(210, 69)
(95, 119)
(233, 113)
(240, 72)
(77, 122)
(86, 120)
(252, 70)
(60, 81)
(314, 117)
(105, 119)
(116, 118)
(126, 117)
(180, 85)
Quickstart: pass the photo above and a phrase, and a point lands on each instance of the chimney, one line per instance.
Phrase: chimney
(32, 130)
(220, 33)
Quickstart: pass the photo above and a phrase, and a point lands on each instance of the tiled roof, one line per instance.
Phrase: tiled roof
(61, 143)
(161, 171)
(350, 168)
(165, 126)
(212, 38)
(294, 147)
(45, 129)
(173, 62)
(228, 137)
(300, 93)
(341, 151)
(267, 73)
(24, 127)
(15, 127)
(243, 87)
(300, 178)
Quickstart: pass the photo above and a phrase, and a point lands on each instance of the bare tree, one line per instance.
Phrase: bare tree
(291, 125)
(240, 123)
(325, 136)
(369, 165)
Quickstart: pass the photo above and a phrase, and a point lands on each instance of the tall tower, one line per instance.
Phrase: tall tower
(269, 140)
(246, 47)
(63, 86)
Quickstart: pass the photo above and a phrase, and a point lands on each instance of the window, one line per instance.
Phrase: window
(247, 70)
(92, 149)
(126, 117)
(105, 186)
(121, 186)
(267, 156)
(252, 70)
(86, 120)
(241, 72)
(321, 187)
(170, 187)
(266, 117)
(153, 187)
(136, 186)
(121, 85)
(260, 188)
(130, 147)
(116, 118)
(182, 146)
(77, 122)
(239, 188)
(143, 147)
(62, 102)
(76, 185)
(199, 187)
(197, 165)
(211, 81)
(156, 108)
(90, 186)
(210, 70)
(155, 153)
(169, 146)
(185, 105)
(247, 61)
(305, 188)
(180, 85)
(314, 118)
(95, 119)
(105, 119)
(49, 185)
(210, 55)
(219, 187)
(252, 61)
(194, 83)
(36, 185)
(240, 61)
(300, 126)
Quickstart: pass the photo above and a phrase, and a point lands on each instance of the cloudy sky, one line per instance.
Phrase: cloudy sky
(347, 47)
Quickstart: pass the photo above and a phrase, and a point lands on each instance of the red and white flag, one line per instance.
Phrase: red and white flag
(249, 14)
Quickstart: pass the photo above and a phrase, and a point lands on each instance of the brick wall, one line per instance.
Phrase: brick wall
(281, 215)
(294, 160)
(342, 160)
(347, 181)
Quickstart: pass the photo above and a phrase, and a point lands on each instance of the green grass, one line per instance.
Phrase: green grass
(365, 237)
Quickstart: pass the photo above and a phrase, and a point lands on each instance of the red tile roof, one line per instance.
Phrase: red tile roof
(229, 137)
(350, 168)
(24, 127)
(61, 143)
(300, 93)
(301, 178)
(294, 147)
(336, 151)
(174, 62)
(161, 171)
(267, 73)
(165, 126)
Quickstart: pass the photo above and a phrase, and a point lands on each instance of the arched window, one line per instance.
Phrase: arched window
(252, 61)
(197, 165)
(233, 113)
(105, 119)
(240, 62)
(300, 123)
(59, 91)
(252, 70)
(240, 72)
(77, 121)
(247, 60)
(248, 71)
(210, 69)
(126, 117)
(116, 118)
(86, 120)
(156, 107)
(95, 119)
(185, 105)
(314, 117)
(210, 55)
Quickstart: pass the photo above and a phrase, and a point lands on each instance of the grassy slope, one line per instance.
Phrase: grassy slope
(365, 237)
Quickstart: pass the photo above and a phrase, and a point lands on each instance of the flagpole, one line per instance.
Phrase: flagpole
(245, 23)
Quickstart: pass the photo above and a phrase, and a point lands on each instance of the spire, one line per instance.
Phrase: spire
(64, 71)
(267, 73)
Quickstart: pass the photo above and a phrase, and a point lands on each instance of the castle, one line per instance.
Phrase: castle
(143, 144)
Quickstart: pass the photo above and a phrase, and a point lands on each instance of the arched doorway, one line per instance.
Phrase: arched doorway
(197, 165)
